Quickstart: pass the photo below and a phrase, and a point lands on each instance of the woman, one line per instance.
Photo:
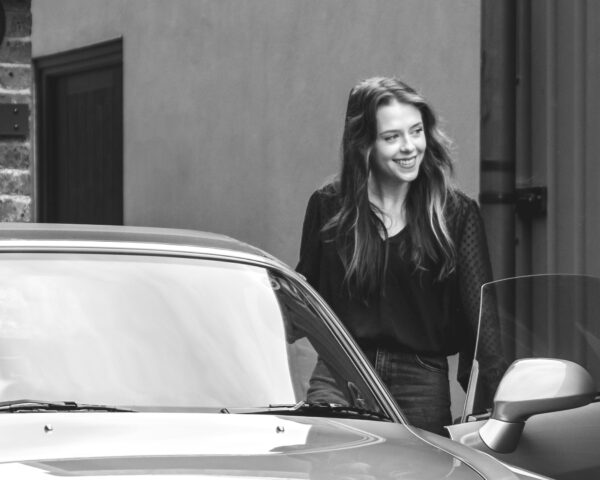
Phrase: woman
(397, 251)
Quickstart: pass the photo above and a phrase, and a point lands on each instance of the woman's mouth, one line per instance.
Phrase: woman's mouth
(406, 162)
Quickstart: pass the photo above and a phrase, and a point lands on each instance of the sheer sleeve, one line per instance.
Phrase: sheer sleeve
(474, 269)
(310, 245)
(473, 263)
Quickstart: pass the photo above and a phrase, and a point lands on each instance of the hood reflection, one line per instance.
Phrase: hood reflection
(329, 450)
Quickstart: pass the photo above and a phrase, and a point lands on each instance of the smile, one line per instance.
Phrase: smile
(406, 162)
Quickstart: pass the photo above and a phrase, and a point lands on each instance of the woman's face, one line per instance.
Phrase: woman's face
(400, 144)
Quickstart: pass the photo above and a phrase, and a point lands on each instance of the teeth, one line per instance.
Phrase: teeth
(406, 163)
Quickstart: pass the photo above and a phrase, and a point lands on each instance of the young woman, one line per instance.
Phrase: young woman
(397, 251)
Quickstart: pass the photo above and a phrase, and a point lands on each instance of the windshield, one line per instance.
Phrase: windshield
(534, 316)
(166, 333)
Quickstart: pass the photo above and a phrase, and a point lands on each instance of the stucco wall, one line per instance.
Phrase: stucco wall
(234, 108)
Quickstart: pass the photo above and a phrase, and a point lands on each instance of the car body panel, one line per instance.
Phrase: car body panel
(548, 328)
(563, 445)
(266, 446)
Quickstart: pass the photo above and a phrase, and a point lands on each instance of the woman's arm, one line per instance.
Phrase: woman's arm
(474, 269)
(310, 245)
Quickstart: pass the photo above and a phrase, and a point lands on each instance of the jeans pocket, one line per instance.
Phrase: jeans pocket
(433, 363)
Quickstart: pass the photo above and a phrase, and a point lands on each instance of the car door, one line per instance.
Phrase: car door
(553, 319)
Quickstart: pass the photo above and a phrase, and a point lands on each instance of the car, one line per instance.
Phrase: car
(545, 413)
(134, 352)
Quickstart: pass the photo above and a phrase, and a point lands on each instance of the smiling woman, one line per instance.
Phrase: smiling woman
(397, 153)
(398, 252)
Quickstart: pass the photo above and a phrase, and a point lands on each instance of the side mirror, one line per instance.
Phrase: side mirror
(529, 387)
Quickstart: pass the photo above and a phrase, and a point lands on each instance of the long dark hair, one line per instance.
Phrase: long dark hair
(356, 227)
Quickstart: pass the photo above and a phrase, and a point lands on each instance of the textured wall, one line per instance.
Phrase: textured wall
(15, 88)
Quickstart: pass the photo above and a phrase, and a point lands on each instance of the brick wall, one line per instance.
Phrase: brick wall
(15, 88)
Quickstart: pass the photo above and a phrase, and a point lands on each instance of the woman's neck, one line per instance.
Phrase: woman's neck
(389, 199)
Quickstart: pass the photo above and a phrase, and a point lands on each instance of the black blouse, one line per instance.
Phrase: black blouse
(414, 312)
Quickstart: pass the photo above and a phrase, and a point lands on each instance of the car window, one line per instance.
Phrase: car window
(166, 333)
(534, 316)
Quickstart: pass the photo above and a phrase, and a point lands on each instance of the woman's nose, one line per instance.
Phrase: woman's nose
(406, 145)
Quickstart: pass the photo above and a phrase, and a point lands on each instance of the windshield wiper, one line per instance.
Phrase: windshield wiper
(26, 405)
(322, 409)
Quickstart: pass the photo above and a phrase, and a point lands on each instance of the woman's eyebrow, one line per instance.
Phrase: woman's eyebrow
(396, 130)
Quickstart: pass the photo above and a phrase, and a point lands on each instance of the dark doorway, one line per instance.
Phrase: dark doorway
(80, 121)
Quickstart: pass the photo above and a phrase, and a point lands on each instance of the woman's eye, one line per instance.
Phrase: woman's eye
(417, 132)
(391, 138)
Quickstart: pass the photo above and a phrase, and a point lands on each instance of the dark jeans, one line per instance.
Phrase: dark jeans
(419, 384)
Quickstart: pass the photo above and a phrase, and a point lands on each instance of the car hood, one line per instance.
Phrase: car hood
(186, 445)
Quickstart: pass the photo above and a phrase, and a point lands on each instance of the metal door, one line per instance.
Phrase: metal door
(558, 136)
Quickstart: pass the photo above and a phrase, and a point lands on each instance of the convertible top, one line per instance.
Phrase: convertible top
(50, 234)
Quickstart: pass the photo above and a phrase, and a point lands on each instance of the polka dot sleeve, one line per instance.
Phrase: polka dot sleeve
(474, 270)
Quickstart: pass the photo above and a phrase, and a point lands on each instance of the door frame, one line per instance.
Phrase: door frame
(47, 69)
